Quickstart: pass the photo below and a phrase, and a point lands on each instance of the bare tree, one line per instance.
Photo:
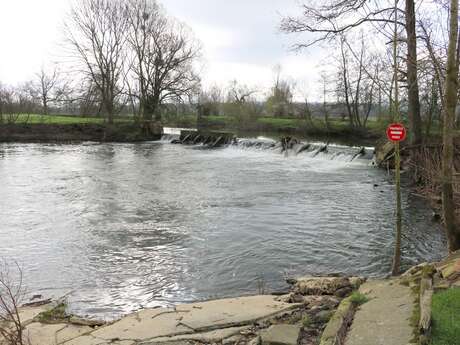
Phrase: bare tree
(96, 31)
(210, 101)
(241, 104)
(165, 52)
(47, 88)
(357, 82)
(15, 104)
(331, 18)
(451, 99)
(12, 292)
(279, 102)
(239, 93)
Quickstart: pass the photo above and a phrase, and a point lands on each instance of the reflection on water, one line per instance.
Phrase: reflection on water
(130, 225)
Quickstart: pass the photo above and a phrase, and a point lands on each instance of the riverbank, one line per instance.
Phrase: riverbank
(296, 317)
(317, 310)
(423, 165)
(75, 128)
(337, 129)
(75, 132)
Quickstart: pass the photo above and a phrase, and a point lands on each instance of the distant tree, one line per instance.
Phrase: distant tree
(47, 88)
(239, 93)
(357, 82)
(241, 104)
(14, 104)
(324, 79)
(279, 102)
(164, 57)
(210, 101)
(305, 109)
(96, 31)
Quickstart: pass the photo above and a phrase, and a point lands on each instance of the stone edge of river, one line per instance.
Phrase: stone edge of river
(314, 308)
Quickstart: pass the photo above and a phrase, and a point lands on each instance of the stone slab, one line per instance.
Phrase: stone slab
(193, 318)
(27, 314)
(44, 334)
(281, 335)
(90, 340)
(337, 325)
(207, 337)
(451, 269)
(385, 318)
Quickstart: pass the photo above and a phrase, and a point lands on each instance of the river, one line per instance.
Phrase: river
(124, 226)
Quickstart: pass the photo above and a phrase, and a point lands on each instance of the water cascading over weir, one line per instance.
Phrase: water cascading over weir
(288, 146)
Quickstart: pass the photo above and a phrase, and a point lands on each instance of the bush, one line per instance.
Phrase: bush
(12, 293)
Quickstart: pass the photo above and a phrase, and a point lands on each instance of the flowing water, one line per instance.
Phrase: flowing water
(124, 226)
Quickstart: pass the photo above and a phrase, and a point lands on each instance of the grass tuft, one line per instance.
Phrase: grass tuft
(357, 298)
(306, 321)
(57, 314)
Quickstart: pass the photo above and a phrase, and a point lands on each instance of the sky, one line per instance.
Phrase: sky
(240, 39)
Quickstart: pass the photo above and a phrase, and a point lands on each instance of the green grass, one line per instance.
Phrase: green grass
(61, 119)
(306, 321)
(358, 298)
(54, 315)
(221, 122)
(446, 318)
(279, 122)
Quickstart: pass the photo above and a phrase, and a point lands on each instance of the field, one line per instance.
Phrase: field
(60, 119)
(295, 126)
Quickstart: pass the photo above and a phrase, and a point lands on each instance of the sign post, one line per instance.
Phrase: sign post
(396, 133)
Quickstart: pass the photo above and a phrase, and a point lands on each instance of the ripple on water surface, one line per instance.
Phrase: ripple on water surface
(124, 226)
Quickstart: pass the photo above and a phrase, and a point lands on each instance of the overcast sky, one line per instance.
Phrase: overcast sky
(240, 39)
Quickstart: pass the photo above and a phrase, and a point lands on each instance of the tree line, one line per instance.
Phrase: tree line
(118, 54)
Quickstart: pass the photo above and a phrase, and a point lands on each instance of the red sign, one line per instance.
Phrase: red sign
(396, 132)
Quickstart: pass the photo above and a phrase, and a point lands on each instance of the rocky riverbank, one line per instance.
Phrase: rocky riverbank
(317, 310)
(421, 165)
(298, 317)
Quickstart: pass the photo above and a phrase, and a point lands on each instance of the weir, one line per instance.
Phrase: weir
(287, 145)
(211, 139)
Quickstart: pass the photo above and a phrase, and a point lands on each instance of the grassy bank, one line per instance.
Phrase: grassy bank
(32, 119)
(446, 317)
(337, 129)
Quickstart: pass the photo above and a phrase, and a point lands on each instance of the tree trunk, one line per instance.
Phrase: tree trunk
(45, 105)
(148, 110)
(432, 107)
(109, 113)
(451, 89)
(345, 84)
(415, 121)
(397, 250)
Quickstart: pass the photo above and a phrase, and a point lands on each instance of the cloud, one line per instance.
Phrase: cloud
(240, 38)
(29, 36)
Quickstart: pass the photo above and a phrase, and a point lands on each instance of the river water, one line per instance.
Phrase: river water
(125, 226)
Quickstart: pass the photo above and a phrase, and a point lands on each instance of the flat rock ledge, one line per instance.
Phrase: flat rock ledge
(205, 322)
(298, 317)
